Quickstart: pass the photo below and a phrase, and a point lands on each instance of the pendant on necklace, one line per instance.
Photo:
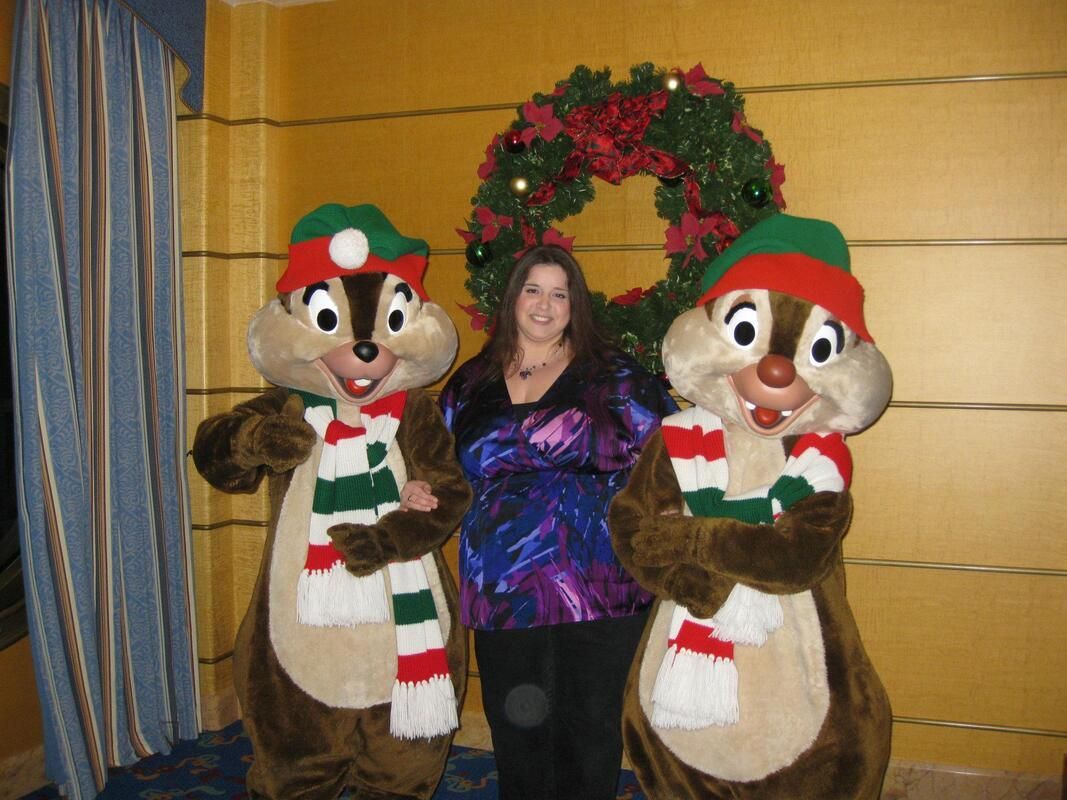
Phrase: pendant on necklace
(526, 372)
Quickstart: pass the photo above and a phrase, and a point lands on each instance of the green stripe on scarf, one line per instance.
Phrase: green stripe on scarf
(409, 609)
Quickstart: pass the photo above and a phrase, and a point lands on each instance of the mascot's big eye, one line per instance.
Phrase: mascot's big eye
(398, 309)
(742, 325)
(322, 310)
(828, 343)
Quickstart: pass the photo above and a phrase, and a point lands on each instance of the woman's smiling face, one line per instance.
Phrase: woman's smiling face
(543, 308)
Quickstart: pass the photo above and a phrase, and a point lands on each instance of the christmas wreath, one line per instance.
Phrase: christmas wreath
(717, 177)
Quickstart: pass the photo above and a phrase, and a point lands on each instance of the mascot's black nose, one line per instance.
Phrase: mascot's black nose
(366, 351)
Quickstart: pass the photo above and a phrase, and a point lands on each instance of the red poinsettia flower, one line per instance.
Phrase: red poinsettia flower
(543, 123)
(466, 236)
(478, 319)
(491, 222)
(777, 179)
(632, 297)
(489, 165)
(689, 234)
(698, 83)
(552, 236)
(738, 125)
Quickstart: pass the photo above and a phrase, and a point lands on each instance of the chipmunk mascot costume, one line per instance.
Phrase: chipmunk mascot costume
(752, 682)
(349, 664)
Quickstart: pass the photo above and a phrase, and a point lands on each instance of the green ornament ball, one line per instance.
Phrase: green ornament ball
(756, 193)
(478, 254)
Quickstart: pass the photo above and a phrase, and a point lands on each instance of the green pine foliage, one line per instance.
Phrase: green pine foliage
(729, 166)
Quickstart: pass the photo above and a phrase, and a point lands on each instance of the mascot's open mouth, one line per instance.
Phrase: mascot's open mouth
(360, 387)
(766, 410)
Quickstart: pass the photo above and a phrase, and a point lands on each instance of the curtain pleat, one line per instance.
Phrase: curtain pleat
(95, 292)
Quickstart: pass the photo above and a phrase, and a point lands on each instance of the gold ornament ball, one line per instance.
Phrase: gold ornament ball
(520, 187)
(673, 80)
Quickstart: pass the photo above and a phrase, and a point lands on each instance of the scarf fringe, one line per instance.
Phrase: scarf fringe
(693, 691)
(337, 598)
(748, 616)
(424, 709)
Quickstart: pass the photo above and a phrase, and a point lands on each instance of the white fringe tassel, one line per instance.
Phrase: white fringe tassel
(694, 691)
(423, 710)
(337, 598)
(747, 616)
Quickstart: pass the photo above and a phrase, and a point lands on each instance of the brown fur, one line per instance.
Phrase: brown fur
(815, 719)
(304, 748)
(316, 700)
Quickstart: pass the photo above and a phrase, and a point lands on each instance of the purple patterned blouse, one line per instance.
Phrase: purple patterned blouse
(534, 547)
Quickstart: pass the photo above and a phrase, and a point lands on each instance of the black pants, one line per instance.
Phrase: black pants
(553, 699)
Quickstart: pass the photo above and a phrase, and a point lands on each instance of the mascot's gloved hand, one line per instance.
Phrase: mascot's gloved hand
(367, 548)
(279, 441)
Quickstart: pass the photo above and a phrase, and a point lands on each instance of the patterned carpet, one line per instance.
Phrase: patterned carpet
(214, 766)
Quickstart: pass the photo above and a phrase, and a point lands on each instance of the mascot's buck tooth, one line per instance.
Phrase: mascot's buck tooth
(349, 664)
(752, 682)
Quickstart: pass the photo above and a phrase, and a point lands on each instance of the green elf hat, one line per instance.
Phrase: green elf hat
(335, 240)
(805, 258)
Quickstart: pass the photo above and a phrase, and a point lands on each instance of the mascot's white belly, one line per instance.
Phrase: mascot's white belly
(343, 667)
(782, 693)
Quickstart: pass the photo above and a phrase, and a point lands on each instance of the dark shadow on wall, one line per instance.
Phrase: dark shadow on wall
(12, 596)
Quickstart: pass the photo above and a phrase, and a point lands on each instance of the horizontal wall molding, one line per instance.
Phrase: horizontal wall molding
(949, 567)
(230, 523)
(1051, 241)
(1056, 408)
(977, 726)
(862, 562)
(770, 89)
(226, 390)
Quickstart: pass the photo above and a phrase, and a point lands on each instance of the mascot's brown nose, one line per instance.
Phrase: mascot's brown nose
(776, 371)
(366, 351)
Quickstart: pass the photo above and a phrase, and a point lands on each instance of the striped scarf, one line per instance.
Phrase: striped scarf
(697, 681)
(355, 484)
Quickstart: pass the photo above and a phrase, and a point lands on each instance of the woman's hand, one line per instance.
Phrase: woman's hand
(417, 496)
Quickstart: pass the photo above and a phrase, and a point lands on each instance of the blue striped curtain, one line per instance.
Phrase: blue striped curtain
(95, 288)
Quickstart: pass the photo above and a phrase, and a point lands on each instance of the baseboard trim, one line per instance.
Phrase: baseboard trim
(909, 780)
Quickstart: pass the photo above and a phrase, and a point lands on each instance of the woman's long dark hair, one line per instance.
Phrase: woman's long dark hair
(587, 342)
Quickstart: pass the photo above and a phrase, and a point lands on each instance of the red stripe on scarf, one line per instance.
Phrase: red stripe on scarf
(833, 447)
(392, 404)
(322, 557)
(698, 639)
(420, 667)
(337, 430)
(690, 443)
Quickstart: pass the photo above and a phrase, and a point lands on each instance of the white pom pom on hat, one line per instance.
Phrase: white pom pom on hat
(349, 248)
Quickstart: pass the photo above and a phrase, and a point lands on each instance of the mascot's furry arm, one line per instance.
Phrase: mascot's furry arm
(696, 561)
(235, 449)
(429, 455)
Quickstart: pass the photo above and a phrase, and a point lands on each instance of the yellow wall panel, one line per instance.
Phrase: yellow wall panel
(355, 57)
(977, 749)
(969, 324)
(933, 179)
(919, 162)
(950, 645)
(221, 295)
(227, 563)
(230, 178)
(961, 487)
(241, 52)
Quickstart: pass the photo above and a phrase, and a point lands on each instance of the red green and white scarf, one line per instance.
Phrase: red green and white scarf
(697, 681)
(355, 484)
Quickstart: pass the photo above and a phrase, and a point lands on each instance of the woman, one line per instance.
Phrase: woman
(549, 419)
